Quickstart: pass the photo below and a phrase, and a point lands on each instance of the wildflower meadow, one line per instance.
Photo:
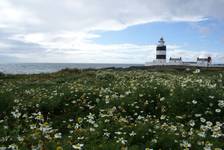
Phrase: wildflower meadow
(113, 109)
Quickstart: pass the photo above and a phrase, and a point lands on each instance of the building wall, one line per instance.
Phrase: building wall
(202, 63)
(161, 52)
(176, 62)
(161, 48)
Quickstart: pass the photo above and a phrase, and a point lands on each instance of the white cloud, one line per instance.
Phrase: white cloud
(3, 45)
(63, 40)
(15, 18)
(66, 29)
(114, 53)
(85, 15)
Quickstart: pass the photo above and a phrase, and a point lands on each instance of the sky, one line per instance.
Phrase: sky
(109, 31)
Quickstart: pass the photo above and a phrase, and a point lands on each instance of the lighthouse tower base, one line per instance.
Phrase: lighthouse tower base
(156, 63)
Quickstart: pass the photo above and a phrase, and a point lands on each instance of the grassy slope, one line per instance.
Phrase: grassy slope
(112, 109)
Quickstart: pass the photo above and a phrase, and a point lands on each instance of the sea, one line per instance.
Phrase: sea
(36, 68)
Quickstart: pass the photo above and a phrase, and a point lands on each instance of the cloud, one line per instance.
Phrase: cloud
(64, 31)
(97, 53)
(15, 18)
(88, 15)
(3, 45)
(85, 15)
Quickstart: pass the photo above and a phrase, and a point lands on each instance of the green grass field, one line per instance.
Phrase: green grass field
(112, 110)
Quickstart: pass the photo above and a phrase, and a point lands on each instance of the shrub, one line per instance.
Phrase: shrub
(6, 102)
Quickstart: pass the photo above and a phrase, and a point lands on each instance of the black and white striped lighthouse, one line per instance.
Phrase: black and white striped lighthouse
(161, 51)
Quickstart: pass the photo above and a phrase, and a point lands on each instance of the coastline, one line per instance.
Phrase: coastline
(130, 68)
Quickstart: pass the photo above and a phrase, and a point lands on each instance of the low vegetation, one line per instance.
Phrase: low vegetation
(112, 109)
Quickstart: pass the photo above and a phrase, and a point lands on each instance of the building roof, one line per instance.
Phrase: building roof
(175, 58)
(202, 59)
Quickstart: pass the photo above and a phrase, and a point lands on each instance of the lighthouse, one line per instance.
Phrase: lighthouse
(176, 61)
(161, 52)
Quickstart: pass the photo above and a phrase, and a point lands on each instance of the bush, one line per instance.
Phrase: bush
(105, 76)
(6, 102)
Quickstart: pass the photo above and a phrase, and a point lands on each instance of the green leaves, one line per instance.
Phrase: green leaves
(112, 109)
(6, 103)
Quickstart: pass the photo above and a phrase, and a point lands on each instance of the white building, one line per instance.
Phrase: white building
(204, 61)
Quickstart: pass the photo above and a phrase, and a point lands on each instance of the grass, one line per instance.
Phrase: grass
(113, 109)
